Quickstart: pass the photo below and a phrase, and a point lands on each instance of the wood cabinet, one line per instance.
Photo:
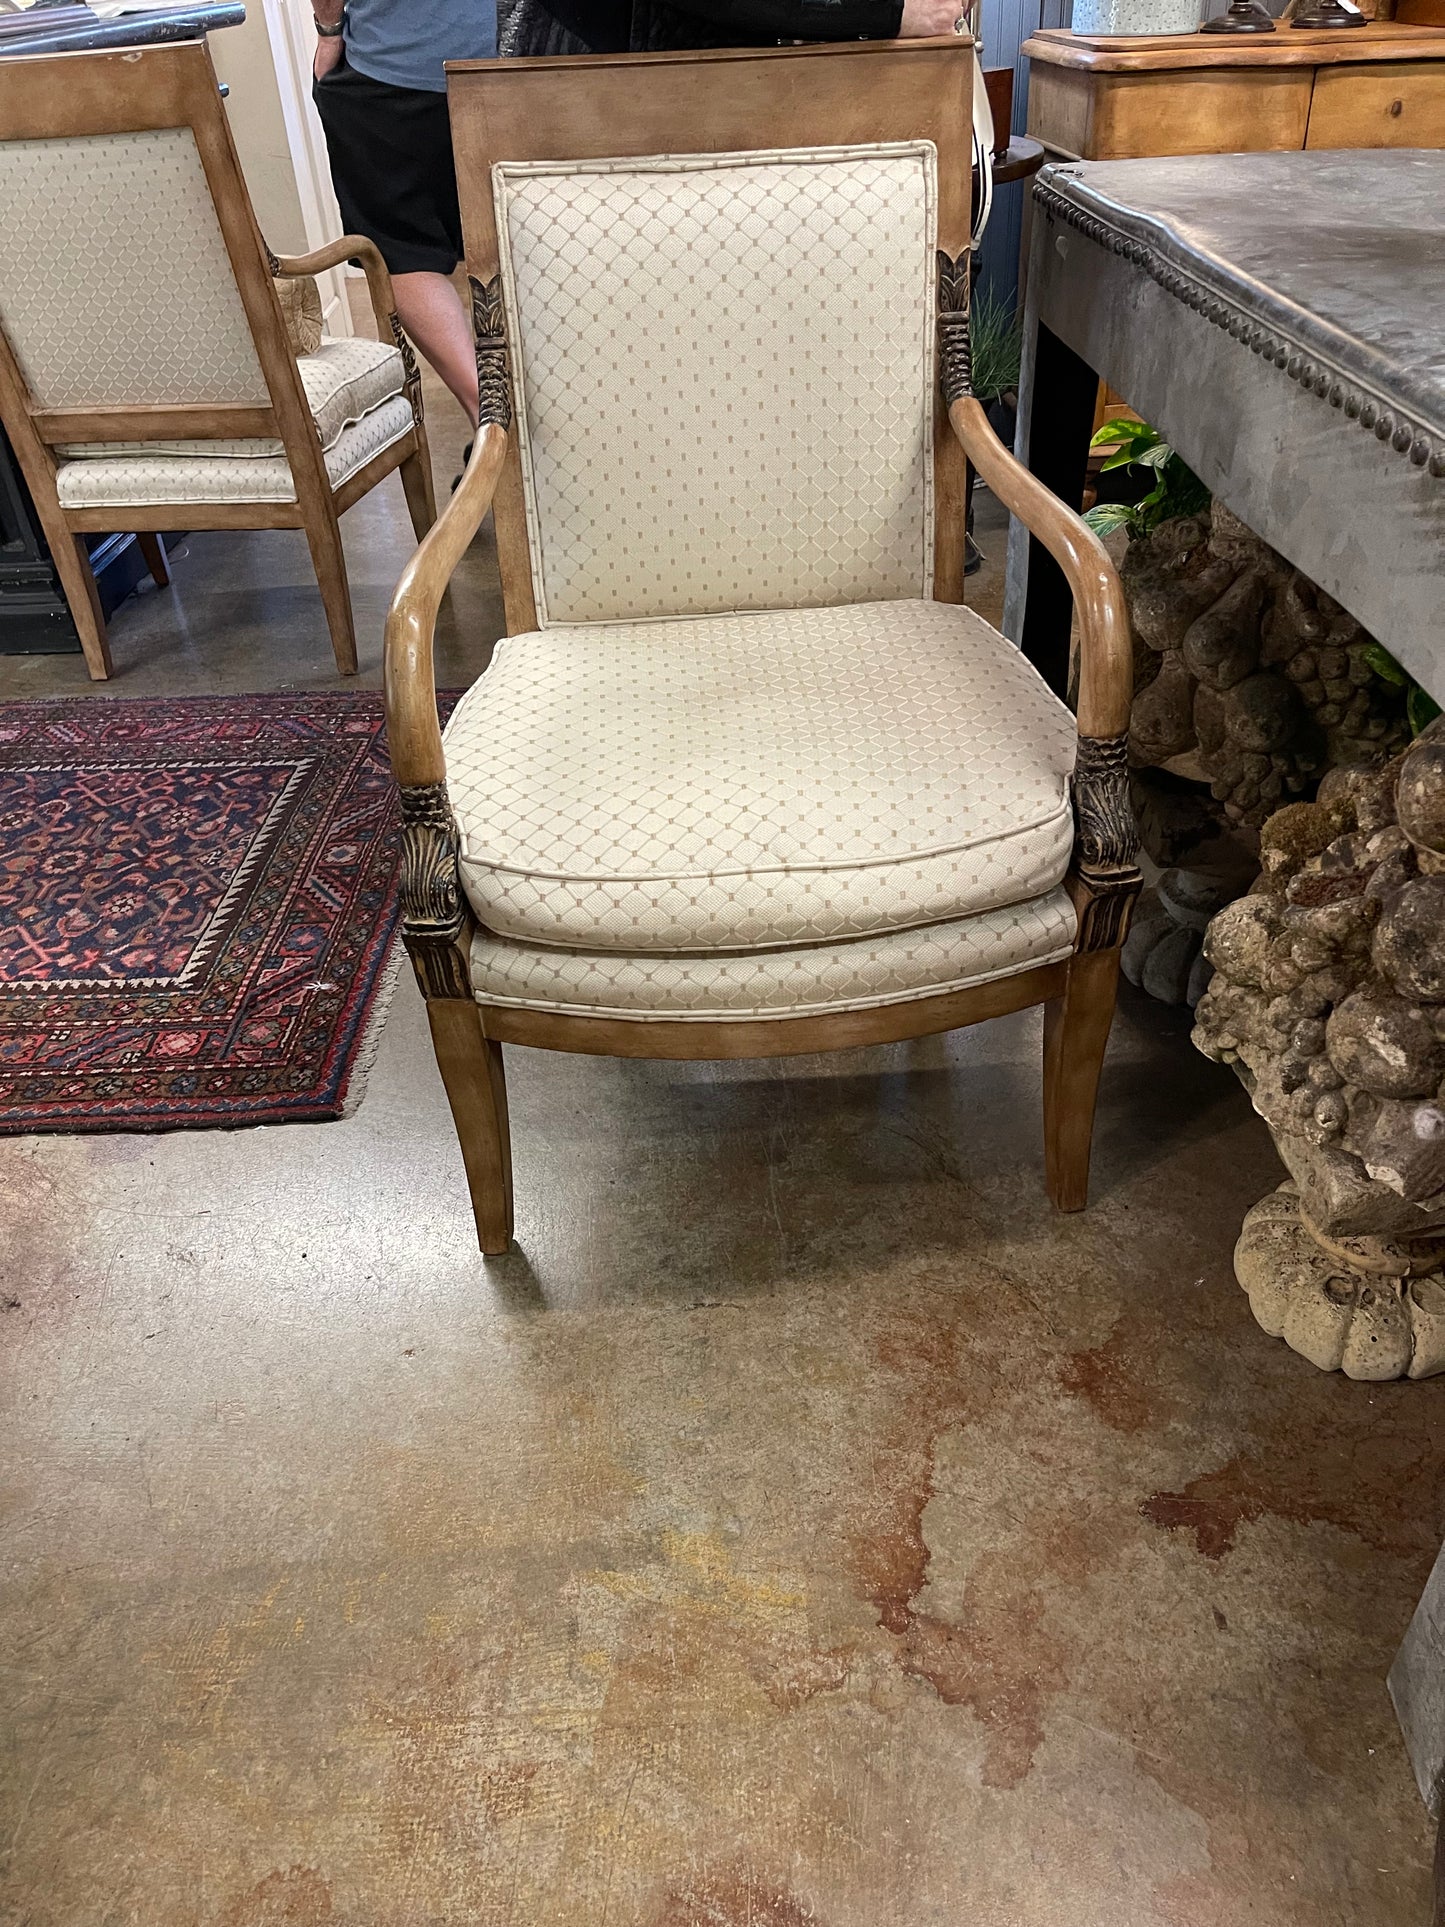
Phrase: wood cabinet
(1093, 97)
(1392, 104)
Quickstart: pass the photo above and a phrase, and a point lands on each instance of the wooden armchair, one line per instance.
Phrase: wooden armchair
(146, 378)
(744, 779)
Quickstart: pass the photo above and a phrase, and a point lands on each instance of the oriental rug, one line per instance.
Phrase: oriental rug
(197, 909)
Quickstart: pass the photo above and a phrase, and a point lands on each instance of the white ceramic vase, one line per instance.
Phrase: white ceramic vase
(1136, 16)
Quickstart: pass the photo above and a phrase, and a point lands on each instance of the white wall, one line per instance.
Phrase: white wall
(265, 63)
(243, 60)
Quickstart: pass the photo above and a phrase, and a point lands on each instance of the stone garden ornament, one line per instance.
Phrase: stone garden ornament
(1328, 999)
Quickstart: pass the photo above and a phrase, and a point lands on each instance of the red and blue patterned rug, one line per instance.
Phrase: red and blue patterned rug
(197, 906)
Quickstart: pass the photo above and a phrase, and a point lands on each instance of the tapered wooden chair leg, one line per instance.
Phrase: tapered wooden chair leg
(155, 558)
(416, 479)
(1076, 1031)
(329, 560)
(471, 1068)
(77, 578)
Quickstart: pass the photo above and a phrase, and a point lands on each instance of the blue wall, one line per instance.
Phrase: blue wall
(1007, 24)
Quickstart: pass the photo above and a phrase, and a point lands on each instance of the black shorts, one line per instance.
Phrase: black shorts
(392, 167)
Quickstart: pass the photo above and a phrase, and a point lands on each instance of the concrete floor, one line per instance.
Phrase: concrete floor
(803, 1525)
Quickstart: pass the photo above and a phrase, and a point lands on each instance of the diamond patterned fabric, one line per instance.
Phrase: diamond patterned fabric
(344, 380)
(133, 481)
(115, 284)
(735, 782)
(897, 967)
(726, 368)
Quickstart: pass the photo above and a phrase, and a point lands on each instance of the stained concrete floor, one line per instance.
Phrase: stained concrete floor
(803, 1524)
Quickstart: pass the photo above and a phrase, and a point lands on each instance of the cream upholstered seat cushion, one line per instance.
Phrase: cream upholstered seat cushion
(896, 967)
(343, 380)
(779, 779)
(137, 481)
(726, 375)
(346, 380)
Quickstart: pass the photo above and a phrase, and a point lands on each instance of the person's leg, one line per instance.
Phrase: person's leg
(395, 179)
(437, 322)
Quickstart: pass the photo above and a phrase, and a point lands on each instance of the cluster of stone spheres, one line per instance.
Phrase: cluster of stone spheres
(1248, 676)
(1328, 999)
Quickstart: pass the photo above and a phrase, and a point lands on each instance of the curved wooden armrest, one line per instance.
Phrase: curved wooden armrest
(1104, 879)
(351, 247)
(434, 918)
(1106, 654)
(413, 732)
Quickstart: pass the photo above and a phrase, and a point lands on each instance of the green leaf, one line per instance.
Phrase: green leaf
(1105, 517)
(1124, 428)
(1122, 458)
(1159, 456)
(1132, 448)
(1421, 709)
(1385, 665)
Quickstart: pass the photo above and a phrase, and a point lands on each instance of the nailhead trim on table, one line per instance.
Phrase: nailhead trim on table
(1389, 424)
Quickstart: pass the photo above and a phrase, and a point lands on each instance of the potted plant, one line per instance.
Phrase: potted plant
(1176, 489)
(996, 342)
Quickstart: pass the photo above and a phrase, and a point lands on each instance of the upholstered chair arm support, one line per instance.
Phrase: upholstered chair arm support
(433, 909)
(1106, 852)
(356, 247)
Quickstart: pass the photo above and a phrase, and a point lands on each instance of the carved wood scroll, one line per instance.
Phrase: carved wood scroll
(433, 909)
(955, 359)
(489, 325)
(1106, 843)
(411, 374)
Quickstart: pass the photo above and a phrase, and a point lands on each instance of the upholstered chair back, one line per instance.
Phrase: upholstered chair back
(707, 291)
(116, 288)
(724, 377)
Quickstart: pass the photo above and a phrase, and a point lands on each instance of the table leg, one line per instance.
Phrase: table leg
(1058, 392)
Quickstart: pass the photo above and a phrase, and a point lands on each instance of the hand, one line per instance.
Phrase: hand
(922, 19)
(328, 55)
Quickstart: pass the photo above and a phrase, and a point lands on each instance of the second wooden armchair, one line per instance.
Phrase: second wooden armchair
(146, 378)
(744, 779)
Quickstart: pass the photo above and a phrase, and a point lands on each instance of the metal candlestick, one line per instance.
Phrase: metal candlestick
(1244, 16)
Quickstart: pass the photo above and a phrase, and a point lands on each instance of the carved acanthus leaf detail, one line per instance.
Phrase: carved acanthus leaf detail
(1106, 843)
(433, 909)
(955, 359)
(411, 374)
(489, 325)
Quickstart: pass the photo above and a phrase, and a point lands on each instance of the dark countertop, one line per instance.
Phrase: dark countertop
(67, 35)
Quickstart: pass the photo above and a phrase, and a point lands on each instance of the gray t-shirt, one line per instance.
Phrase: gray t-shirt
(404, 42)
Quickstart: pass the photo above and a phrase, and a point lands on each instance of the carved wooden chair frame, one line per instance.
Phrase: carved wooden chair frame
(52, 96)
(720, 102)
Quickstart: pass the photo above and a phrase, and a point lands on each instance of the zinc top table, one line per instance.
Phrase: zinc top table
(61, 32)
(1280, 319)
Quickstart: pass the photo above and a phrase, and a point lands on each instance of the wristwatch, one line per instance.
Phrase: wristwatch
(330, 33)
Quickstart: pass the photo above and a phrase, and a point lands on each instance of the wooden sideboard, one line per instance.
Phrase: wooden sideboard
(1093, 97)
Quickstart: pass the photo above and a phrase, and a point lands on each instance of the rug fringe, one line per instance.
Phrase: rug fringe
(365, 1058)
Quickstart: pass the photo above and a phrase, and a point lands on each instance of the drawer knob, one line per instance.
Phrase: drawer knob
(1397, 107)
